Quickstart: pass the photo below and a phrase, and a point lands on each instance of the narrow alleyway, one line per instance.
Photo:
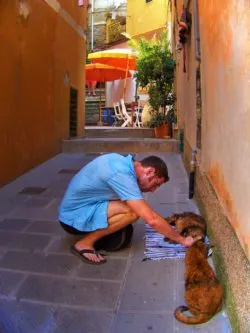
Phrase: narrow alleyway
(45, 289)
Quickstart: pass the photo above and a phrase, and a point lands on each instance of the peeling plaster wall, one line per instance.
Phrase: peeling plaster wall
(225, 63)
(225, 77)
(36, 53)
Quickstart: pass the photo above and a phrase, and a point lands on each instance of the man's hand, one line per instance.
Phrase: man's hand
(189, 241)
(142, 209)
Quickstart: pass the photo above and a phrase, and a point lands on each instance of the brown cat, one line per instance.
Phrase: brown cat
(204, 292)
(188, 224)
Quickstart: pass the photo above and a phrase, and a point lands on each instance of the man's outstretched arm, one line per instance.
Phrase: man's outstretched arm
(142, 209)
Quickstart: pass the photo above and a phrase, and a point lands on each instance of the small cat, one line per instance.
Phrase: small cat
(204, 293)
(188, 224)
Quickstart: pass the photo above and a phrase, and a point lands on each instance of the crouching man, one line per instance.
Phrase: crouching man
(106, 196)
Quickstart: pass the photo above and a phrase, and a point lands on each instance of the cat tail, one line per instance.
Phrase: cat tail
(199, 319)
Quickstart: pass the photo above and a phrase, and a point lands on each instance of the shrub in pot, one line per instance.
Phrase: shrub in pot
(155, 69)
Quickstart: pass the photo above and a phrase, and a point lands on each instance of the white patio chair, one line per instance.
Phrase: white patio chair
(118, 114)
(126, 114)
(138, 117)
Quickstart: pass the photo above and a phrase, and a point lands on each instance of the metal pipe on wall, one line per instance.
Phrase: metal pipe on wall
(92, 25)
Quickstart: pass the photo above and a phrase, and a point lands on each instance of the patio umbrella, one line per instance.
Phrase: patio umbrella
(102, 73)
(123, 58)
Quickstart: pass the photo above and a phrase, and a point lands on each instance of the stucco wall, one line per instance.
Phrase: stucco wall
(36, 53)
(225, 75)
(143, 17)
(225, 51)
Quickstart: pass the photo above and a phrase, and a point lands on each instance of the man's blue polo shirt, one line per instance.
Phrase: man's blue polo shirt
(108, 177)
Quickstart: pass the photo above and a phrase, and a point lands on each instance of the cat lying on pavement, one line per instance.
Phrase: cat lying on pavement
(188, 224)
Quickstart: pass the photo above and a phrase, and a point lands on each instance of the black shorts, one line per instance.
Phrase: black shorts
(72, 230)
(113, 242)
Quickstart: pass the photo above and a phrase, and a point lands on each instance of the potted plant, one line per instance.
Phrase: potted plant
(155, 69)
(170, 117)
(162, 120)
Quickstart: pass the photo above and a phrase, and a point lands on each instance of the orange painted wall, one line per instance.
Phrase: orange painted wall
(225, 74)
(35, 55)
(185, 81)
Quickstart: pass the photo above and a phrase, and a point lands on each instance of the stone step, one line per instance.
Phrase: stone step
(118, 132)
(92, 111)
(126, 145)
(94, 99)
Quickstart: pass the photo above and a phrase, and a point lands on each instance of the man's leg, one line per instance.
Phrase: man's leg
(119, 216)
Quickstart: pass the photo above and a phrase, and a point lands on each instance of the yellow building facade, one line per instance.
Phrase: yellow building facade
(42, 62)
(144, 16)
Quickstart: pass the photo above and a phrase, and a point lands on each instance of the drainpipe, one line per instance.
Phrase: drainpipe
(192, 173)
(92, 25)
(196, 30)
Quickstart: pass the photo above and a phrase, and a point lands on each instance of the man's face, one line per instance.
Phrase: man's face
(148, 181)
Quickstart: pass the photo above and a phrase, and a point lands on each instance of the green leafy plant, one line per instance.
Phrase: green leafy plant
(157, 119)
(155, 69)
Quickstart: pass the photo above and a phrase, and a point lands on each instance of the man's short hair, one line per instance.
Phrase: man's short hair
(158, 164)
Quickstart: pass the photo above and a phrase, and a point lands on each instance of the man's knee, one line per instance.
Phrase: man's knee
(133, 216)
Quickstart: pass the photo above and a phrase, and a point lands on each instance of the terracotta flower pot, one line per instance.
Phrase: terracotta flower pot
(165, 130)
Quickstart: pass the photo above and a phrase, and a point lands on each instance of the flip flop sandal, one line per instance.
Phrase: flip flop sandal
(80, 254)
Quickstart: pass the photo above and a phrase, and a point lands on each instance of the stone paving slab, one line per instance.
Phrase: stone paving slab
(161, 295)
(18, 317)
(76, 292)
(143, 322)
(21, 241)
(56, 264)
(44, 227)
(14, 224)
(46, 289)
(82, 321)
(113, 270)
(138, 243)
(9, 281)
(40, 318)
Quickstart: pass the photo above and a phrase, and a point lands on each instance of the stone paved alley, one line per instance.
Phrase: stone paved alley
(46, 289)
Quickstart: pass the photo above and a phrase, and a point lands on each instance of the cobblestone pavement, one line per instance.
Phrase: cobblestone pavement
(45, 289)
